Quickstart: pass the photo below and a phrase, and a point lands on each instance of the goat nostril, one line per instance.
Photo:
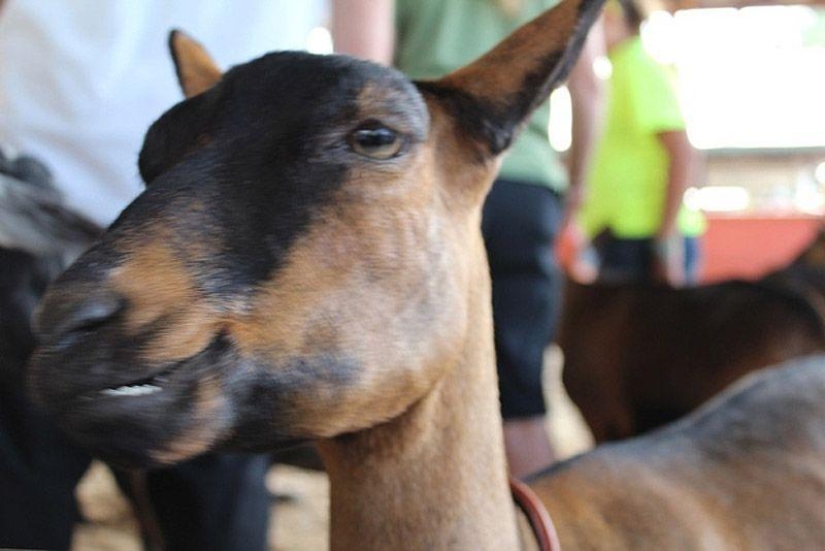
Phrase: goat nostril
(81, 315)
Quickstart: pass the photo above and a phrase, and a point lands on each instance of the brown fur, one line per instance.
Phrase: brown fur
(744, 472)
(364, 322)
(638, 356)
(196, 70)
(518, 54)
(151, 297)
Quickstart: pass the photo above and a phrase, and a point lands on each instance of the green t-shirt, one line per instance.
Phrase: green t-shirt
(628, 182)
(435, 37)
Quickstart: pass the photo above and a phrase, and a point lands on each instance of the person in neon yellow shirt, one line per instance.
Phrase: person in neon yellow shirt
(634, 211)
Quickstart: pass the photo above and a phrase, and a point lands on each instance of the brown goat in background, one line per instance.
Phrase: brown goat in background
(637, 356)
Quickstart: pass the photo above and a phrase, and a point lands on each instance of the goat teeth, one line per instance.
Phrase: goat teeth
(135, 390)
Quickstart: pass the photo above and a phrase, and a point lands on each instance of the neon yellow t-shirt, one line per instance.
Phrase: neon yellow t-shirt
(435, 37)
(628, 182)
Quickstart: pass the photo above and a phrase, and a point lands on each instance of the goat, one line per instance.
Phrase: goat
(306, 263)
(39, 236)
(746, 471)
(637, 356)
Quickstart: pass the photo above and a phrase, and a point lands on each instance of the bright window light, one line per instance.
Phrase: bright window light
(718, 199)
(561, 119)
(748, 78)
(319, 41)
(819, 174)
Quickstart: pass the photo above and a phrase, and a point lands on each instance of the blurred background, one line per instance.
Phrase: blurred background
(751, 84)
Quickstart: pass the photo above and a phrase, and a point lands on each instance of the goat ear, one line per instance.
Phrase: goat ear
(493, 96)
(196, 70)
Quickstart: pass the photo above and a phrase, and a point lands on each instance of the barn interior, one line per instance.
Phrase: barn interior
(751, 84)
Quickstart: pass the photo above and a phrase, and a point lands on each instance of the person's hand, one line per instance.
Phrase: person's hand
(574, 253)
(669, 260)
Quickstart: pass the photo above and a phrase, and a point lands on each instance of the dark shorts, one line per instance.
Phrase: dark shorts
(625, 260)
(520, 222)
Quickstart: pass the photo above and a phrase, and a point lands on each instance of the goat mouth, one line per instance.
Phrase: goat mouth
(141, 387)
(120, 380)
(144, 387)
(131, 390)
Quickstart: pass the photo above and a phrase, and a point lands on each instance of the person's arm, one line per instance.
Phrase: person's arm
(587, 101)
(682, 162)
(364, 28)
(668, 239)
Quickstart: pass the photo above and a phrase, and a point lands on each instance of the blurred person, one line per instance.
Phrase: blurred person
(529, 205)
(634, 212)
(80, 83)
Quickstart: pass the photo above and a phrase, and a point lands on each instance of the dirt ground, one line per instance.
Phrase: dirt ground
(299, 522)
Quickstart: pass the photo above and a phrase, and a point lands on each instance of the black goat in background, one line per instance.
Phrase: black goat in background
(39, 237)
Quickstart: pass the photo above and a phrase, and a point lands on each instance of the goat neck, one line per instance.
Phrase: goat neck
(437, 472)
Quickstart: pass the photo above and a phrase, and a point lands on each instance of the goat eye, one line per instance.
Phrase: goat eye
(378, 142)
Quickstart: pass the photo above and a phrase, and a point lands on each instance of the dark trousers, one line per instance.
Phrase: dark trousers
(39, 470)
(214, 502)
(520, 222)
(631, 260)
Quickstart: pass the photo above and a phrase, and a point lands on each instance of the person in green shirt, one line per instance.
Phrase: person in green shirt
(634, 211)
(530, 203)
